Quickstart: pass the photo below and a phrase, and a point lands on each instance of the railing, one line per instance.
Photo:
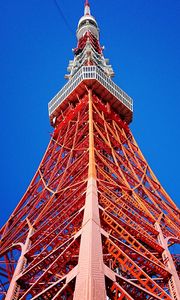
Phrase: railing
(90, 72)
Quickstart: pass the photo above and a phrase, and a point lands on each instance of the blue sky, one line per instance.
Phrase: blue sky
(142, 41)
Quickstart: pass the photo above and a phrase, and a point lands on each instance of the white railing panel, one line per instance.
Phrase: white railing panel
(90, 72)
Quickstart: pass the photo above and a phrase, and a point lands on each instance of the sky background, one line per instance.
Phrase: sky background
(142, 41)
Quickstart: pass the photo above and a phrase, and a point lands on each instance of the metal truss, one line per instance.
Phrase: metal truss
(94, 223)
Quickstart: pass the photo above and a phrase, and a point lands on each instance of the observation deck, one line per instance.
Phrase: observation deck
(102, 86)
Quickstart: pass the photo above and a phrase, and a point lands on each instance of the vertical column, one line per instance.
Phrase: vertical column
(174, 283)
(90, 280)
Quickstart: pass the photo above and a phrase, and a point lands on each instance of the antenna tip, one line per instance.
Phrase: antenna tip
(87, 8)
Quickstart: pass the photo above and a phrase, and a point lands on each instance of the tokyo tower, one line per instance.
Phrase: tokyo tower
(94, 223)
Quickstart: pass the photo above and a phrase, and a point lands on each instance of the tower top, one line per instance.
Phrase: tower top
(90, 68)
(87, 23)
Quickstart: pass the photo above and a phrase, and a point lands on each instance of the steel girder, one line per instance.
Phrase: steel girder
(94, 223)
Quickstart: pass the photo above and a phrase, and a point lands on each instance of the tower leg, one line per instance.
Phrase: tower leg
(90, 280)
(174, 283)
(13, 291)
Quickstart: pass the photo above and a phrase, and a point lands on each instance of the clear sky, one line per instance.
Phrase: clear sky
(142, 41)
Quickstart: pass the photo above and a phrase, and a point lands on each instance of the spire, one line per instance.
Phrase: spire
(88, 50)
(87, 8)
(87, 23)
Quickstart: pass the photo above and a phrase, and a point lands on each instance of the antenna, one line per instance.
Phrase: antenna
(87, 8)
(87, 3)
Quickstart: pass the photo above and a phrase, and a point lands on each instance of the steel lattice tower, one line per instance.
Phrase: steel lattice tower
(94, 223)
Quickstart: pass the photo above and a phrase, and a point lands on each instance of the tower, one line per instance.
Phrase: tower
(94, 223)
